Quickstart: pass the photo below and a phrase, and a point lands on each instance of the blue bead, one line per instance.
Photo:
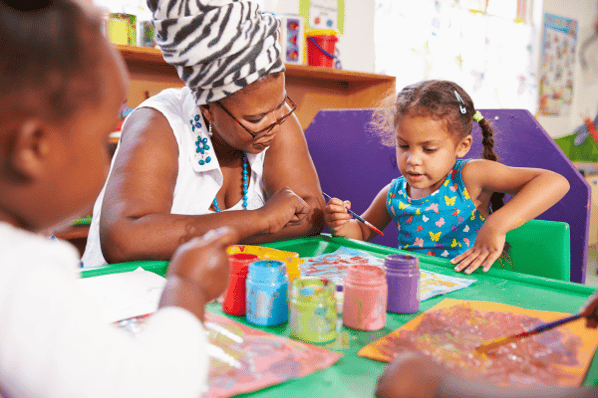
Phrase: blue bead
(208, 159)
(204, 141)
(191, 121)
(197, 143)
(198, 125)
(196, 150)
(196, 118)
(192, 128)
(201, 162)
(206, 147)
(200, 149)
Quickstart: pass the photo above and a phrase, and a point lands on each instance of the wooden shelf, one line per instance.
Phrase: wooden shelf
(312, 88)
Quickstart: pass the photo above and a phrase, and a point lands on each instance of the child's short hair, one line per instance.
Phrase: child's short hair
(48, 73)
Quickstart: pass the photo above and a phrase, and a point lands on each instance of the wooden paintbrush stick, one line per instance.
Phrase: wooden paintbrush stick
(358, 217)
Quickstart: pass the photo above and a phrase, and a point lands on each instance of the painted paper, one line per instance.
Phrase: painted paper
(243, 359)
(334, 265)
(557, 65)
(450, 331)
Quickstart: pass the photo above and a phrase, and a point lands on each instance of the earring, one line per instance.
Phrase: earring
(210, 129)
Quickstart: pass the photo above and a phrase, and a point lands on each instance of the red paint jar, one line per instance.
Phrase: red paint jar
(234, 297)
(364, 304)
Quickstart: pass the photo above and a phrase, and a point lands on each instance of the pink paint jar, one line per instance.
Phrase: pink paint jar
(234, 297)
(364, 304)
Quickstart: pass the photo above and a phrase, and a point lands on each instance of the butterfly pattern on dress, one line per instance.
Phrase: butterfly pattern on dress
(444, 223)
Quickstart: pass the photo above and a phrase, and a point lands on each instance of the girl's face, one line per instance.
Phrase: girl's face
(80, 145)
(256, 107)
(426, 153)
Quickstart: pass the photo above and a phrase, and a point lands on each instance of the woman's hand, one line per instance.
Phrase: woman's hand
(590, 311)
(282, 209)
(486, 249)
(336, 215)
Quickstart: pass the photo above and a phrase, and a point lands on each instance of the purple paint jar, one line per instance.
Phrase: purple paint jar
(403, 279)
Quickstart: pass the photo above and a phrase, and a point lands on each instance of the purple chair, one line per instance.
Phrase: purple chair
(353, 165)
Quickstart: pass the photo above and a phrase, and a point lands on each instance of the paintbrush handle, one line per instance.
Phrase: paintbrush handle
(550, 325)
(357, 216)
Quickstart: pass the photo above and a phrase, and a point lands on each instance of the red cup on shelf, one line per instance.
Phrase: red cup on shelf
(234, 297)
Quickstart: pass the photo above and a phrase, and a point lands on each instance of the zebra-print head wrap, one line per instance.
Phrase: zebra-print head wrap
(217, 46)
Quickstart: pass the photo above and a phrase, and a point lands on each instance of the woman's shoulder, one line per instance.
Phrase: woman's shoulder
(171, 100)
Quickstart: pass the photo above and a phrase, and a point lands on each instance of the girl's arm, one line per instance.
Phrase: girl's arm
(341, 223)
(136, 223)
(535, 190)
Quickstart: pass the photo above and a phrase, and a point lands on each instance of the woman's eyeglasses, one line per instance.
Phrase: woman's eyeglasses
(266, 130)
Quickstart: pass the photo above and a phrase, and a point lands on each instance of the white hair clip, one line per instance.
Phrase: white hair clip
(462, 105)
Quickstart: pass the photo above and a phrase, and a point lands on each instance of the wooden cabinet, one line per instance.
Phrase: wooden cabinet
(312, 88)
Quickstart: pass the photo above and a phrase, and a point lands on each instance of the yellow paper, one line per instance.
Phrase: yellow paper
(379, 350)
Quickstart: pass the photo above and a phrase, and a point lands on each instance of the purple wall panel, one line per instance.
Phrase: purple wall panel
(353, 165)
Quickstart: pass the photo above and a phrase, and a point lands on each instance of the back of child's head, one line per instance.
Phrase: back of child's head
(48, 59)
(440, 100)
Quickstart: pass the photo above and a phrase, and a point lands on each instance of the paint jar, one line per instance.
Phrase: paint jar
(267, 285)
(364, 304)
(313, 310)
(234, 297)
(403, 278)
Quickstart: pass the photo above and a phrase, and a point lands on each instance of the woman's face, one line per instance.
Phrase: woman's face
(256, 107)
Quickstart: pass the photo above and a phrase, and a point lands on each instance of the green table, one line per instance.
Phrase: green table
(354, 376)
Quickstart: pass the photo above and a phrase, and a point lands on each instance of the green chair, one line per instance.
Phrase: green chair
(541, 248)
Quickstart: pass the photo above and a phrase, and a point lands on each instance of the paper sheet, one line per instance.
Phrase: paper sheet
(556, 357)
(334, 266)
(126, 294)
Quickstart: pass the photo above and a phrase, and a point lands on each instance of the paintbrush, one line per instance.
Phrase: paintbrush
(358, 217)
(484, 348)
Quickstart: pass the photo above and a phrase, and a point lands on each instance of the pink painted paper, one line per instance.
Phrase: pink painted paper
(259, 361)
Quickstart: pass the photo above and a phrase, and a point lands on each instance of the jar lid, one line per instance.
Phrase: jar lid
(322, 32)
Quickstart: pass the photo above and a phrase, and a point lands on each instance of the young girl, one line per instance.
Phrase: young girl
(445, 206)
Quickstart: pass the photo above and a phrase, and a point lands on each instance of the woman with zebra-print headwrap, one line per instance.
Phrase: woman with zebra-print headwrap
(227, 141)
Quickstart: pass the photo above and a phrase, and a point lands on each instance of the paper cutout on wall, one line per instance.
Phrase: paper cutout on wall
(334, 266)
(244, 359)
(450, 331)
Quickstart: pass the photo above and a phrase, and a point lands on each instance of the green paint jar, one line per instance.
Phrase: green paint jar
(313, 310)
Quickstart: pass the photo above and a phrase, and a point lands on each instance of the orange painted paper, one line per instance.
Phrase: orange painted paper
(587, 339)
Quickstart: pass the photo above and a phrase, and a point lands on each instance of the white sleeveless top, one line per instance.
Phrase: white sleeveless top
(196, 184)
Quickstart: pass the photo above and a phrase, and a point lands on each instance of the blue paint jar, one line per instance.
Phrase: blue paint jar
(267, 286)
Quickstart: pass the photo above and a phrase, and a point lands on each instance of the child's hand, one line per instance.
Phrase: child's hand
(590, 311)
(204, 262)
(336, 215)
(410, 376)
(486, 249)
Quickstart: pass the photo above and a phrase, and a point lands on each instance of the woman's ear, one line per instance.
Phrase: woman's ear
(464, 146)
(206, 112)
(30, 149)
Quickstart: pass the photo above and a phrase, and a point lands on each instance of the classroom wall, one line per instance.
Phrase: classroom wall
(585, 93)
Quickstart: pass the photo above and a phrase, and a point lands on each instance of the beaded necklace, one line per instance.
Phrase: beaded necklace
(202, 146)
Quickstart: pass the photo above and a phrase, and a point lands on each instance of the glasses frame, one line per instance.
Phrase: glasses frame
(267, 129)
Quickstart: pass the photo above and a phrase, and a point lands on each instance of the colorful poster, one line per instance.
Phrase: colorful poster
(557, 65)
(334, 266)
(450, 331)
(244, 359)
(323, 14)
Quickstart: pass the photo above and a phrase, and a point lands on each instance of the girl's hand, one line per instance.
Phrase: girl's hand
(590, 311)
(336, 215)
(410, 376)
(486, 249)
(283, 208)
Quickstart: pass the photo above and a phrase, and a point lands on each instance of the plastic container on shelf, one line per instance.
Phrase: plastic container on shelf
(321, 45)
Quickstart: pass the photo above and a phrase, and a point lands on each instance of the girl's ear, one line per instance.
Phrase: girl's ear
(30, 149)
(464, 146)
